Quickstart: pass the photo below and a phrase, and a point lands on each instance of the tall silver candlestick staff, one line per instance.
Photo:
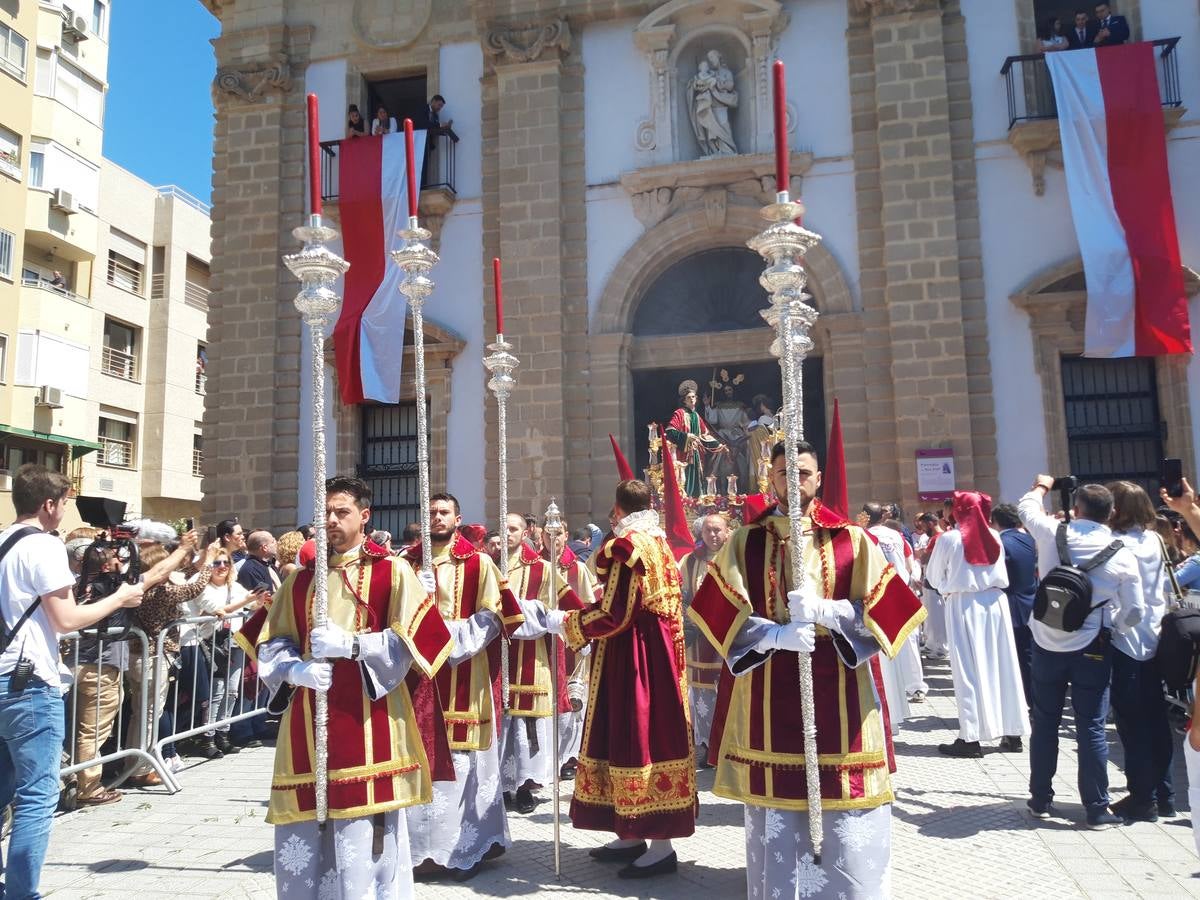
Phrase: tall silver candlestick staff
(553, 527)
(783, 245)
(416, 258)
(318, 268)
(502, 364)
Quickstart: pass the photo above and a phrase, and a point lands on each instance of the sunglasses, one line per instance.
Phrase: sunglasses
(220, 565)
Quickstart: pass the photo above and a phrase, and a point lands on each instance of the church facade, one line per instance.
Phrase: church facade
(615, 154)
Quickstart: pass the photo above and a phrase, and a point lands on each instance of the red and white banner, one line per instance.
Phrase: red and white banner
(369, 335)
(1115, 154)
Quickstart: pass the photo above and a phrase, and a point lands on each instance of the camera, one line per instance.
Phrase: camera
(1066, 483)
(110, 561)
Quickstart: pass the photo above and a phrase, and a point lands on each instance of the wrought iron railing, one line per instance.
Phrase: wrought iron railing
(1031, 94)
(115, 454)
(118, 363)
(201, 383)
(437, 169)
(126, 276)
(197, 462)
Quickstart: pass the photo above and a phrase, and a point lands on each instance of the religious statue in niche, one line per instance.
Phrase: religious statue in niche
(711, 95)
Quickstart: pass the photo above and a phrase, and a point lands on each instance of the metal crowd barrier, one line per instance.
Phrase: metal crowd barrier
(223, 661)
(122, 645)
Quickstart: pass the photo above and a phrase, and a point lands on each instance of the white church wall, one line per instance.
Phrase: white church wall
(460, 68)
(992, 36)
(612, 229)
(616, 96)
(813, 46)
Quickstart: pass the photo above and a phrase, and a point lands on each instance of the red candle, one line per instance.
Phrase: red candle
(314, 158)
(411, 156)
(499, 295)
(781, 143)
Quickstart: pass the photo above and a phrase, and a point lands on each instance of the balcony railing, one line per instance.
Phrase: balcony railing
(201, 383)
(115, 454)
(197, 462)
(195, 295)
(158, 286)
(118, 363)
(125, 276)
(437, 171)
(1031, 94)
(45, 284)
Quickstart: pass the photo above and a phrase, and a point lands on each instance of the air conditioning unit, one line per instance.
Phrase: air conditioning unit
(48, 396)
(74, 27)
(64, 201)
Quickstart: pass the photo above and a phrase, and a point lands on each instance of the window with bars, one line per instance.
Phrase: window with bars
(124, 273)
(116, 444)
(388, 463)
(119, 354)
(1114, 430)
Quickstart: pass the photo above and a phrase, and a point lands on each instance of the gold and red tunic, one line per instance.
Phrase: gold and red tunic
(704, 663)
(377, 761)
(758, 736)
(468, 582)
(636, 774)
(529, 682)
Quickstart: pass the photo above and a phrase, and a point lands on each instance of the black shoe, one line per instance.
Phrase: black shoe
(1011, 745)
(962, 749)
(1041, 810)
(249, 745)
(1166, 809)
(567, 772)
(525, 802)
(466, 874)
(665, 866)
(224, 744)
(494, 852)
(1131, 811)
(508, 800)
(1099, 821)
(208, 749)
(617, 854)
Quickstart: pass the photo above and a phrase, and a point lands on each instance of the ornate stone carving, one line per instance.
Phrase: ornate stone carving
(253, 81)
(893, 7)
(523, 44)
(390, 24)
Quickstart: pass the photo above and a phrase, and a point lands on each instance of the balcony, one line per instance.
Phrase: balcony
(197, 462)
(45, 284)
(115, 454)
(195, 295)
(1033, 115)
(201, 383)
(437, 175)
(158, 286)
(118, 364)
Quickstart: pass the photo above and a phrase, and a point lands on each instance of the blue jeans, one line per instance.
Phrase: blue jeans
(31, 740)
(1087, 671)
(1141, 713)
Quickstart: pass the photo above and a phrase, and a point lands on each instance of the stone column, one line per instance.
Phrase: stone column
(251, 422)
(535, 223)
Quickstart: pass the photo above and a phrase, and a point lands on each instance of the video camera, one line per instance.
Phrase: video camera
(1065, 485)
(112, 558)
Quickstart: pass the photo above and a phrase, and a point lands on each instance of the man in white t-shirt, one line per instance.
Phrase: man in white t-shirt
(36, 582)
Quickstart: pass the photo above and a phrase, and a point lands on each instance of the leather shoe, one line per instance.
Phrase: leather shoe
(665, 866)
(962, 749)
(1166, 808)
(224, 744)
(461, 875)
(525, 801)
(1011, 744)
(208, 749)
(1131, 811)
(617, 854)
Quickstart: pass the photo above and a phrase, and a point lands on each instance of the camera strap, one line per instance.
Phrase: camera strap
(7, 636)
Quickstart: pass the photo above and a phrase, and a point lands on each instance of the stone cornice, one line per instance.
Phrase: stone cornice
(514, 44)
(893, 7)
(253, 82)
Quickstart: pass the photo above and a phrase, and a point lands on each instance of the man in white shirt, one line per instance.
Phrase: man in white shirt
(1081, 659)
(37, 605)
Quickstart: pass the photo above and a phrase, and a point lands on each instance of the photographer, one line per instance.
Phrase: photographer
(37, 605)
(1082, 658)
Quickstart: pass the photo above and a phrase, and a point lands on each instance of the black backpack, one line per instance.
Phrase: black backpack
(1064, 597)
(1177, 648)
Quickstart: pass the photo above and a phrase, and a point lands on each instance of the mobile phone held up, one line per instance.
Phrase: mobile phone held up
(1171, 476)
(189, 524)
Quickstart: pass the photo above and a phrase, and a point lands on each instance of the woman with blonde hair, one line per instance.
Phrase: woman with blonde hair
(286, 549)
(1139, 705)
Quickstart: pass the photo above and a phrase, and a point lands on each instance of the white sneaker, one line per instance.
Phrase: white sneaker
(175, 763)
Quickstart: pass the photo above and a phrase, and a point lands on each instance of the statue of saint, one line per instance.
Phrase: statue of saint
(728, 420)
(711, 94)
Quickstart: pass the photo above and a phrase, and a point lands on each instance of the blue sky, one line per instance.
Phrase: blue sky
(158, 120)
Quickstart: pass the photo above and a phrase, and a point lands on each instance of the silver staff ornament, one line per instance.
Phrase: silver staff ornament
(783, 245)
(553, 527)
(318, 269)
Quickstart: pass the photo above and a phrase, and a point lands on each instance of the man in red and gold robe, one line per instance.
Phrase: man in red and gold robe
(382, 623)
(527, 739)
(703, 662)
(636, 773)
(466, 823)
(749, 611)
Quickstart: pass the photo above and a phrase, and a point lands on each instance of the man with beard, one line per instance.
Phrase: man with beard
(465, 824)
(381, 623)
(749, 609)
(691, 436)
(703, 662)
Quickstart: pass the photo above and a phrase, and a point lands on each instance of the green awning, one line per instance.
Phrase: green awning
(76, 443)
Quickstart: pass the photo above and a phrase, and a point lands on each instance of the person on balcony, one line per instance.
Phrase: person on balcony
(1112, 30)
(1082, 34)
(1053, 39)
(356, 127)
(383, 123)
(58, 282)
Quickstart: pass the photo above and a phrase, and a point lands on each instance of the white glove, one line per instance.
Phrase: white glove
(532, 609)
(795, 636)
(313, 674)
(555, 618)
(804, 606)
(330, 642)
(428, 581)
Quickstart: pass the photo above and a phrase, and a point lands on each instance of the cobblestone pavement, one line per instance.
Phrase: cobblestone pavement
(960, 830)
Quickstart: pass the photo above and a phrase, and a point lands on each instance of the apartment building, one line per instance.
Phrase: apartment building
(103, 281)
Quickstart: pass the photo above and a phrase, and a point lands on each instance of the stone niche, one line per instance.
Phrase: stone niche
(675, 39)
